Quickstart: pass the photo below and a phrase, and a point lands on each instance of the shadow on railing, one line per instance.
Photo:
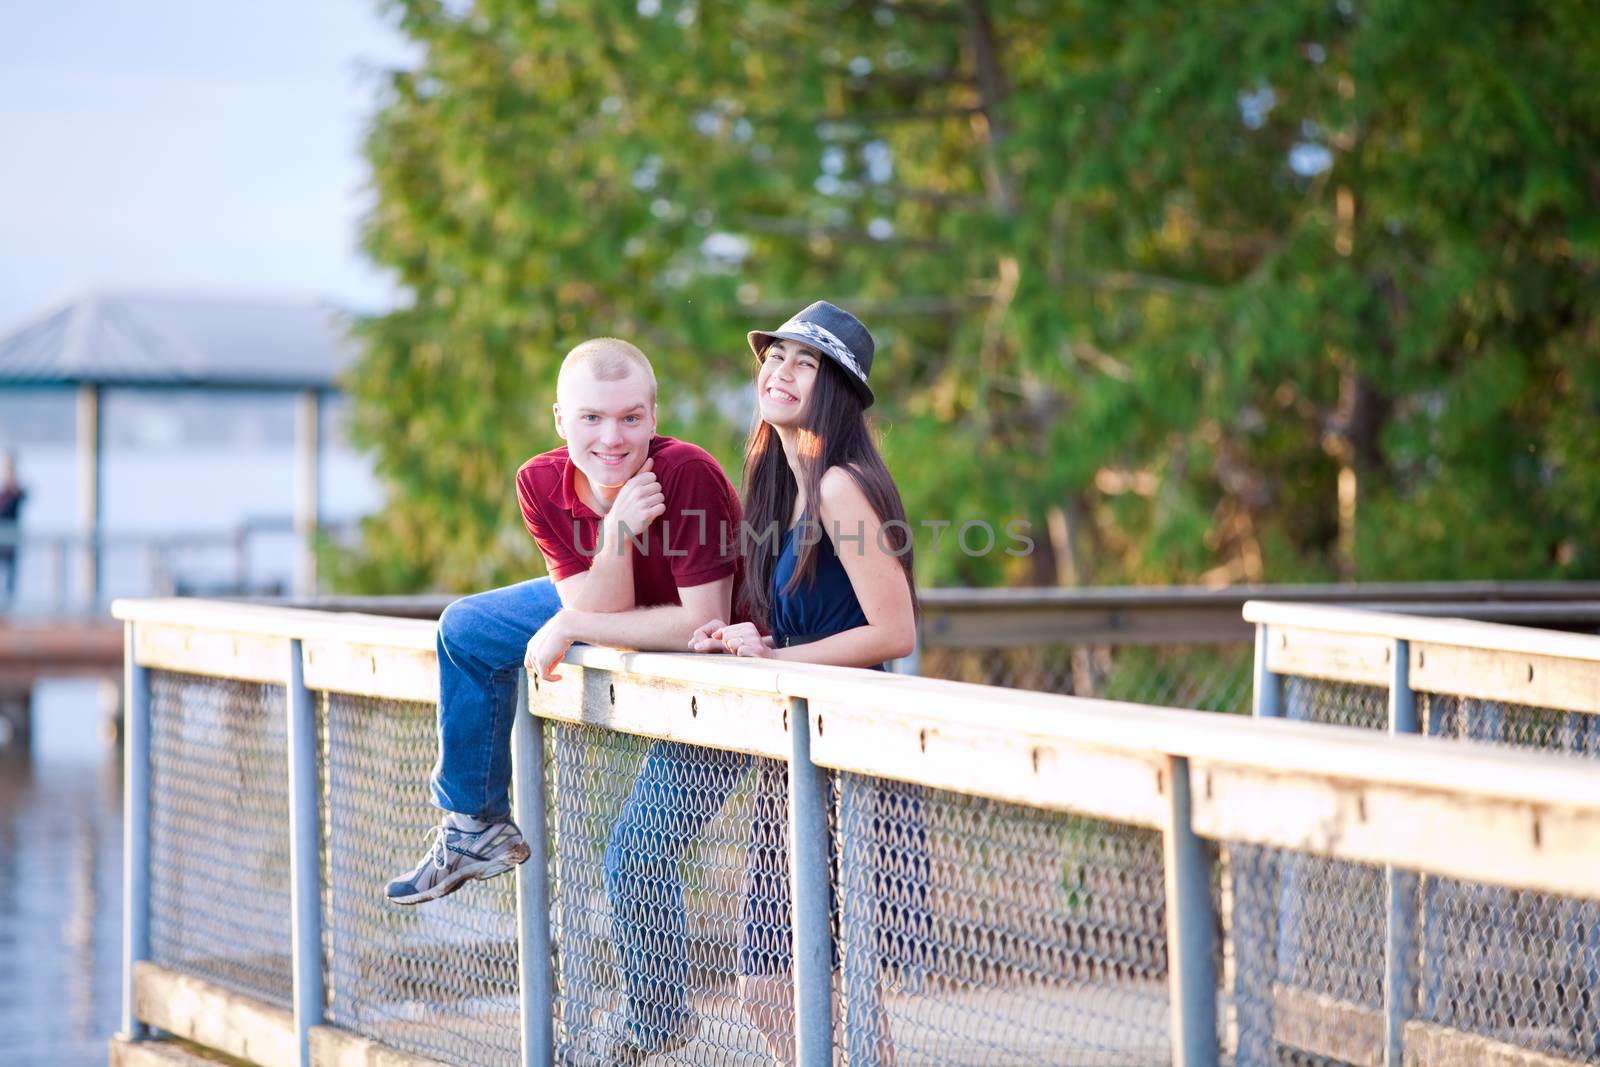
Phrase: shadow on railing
(977, 874)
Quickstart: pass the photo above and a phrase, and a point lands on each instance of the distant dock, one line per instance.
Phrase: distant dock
(33, 649)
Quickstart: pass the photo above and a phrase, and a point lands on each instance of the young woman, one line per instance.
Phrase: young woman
(837, 588)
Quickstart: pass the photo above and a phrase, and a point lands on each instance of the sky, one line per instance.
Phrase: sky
(188, 147)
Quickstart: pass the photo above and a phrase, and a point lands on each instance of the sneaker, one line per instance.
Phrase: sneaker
(615, 1044)
(458, 856)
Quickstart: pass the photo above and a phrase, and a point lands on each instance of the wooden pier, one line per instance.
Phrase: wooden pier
(50, 648)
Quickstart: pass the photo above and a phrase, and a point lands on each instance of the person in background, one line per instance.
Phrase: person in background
(11, 497)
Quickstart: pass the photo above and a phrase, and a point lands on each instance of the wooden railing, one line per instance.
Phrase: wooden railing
(1208, 790)
(993, 618)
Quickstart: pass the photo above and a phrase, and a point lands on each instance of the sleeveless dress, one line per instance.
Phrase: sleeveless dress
(890, 813)
(820, 608)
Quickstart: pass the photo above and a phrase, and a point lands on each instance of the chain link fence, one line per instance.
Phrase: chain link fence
(1329, 918)
(219, 832)
(1203, 677)
(1336, 703)
(1482, 964)
(1306, 969)
(1511, 965)
(1518, 966)
(964, 930)
(439, 980)
(1517, 725)
(973, 931)
(669, 891)
(1505, 965)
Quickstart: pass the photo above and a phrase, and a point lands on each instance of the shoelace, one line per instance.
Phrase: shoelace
(437, 851)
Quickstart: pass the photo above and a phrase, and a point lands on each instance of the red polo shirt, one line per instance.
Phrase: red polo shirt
(695, 541)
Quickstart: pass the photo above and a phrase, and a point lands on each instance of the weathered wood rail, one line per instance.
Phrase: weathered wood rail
(993, 618)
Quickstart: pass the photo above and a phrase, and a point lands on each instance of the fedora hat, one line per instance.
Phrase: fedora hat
(835, 333)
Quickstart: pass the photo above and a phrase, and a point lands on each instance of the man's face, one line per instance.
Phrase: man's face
(607, 425)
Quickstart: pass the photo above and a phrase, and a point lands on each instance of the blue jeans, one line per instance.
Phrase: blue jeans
(482, 639)
(679, 788)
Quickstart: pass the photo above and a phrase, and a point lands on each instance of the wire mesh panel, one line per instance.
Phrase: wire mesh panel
(1336, 703)
(1204, 677)
(437, 979)
(1517, 966)
(1306, 945)
(219, 832)
(670, 901)
(973, 931)
(1516, 725)
(1514, 966)
(1330, 915)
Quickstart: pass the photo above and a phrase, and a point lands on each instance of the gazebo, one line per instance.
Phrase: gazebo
(120, 340)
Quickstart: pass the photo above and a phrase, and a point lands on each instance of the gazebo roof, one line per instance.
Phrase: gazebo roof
(120, 339)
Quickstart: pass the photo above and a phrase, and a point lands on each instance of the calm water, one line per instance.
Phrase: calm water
(61, 885)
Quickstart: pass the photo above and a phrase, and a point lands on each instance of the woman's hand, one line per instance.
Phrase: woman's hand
(743, 639)
(740, 639)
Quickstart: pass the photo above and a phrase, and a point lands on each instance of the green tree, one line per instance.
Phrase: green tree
(1223, 291)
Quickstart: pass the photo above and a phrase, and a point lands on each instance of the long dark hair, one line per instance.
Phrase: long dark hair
(835, 435)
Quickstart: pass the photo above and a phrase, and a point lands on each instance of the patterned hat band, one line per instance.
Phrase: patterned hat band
(822, 338)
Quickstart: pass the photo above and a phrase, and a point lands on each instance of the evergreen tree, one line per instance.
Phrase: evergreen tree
(1216, 291)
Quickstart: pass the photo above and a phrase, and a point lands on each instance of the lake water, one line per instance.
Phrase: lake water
(61, 885)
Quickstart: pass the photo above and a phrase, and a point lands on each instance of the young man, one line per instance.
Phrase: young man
(614, 477)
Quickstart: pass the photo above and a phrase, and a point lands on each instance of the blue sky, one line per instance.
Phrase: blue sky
(164, 146)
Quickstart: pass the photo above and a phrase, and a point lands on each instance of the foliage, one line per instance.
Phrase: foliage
(1218, 291)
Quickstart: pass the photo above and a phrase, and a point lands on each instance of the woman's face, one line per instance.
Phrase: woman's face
(785, 382)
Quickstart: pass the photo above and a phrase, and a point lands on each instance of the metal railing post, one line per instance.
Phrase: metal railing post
(135, 827)
(1267, 692)
(305, 855)
(808, 885)
(859, 964)
(535, 982)
(1191, 966)
(1401, 918)
(1255, 922)
(1429, 985)
(911, 664)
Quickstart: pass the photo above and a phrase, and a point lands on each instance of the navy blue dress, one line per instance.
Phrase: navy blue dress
(820, 608)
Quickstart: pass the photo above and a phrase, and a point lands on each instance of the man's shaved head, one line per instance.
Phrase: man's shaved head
(606, 359)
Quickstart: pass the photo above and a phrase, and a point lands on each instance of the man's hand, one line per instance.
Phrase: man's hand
(637, 504)
(548, 646)
(708, 638)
